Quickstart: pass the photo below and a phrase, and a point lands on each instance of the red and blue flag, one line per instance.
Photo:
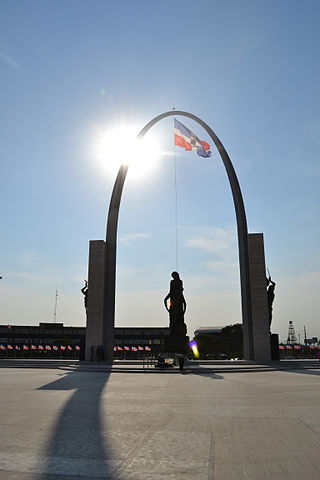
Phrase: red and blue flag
(183, 137)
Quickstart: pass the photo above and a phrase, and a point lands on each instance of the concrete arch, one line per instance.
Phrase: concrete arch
(111, 242)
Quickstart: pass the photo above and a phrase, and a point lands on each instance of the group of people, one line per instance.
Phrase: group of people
(97, 353)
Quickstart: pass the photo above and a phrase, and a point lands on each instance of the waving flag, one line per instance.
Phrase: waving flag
(183, 137)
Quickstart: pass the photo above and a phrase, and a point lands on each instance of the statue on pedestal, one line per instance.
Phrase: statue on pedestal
(270, 295)
(177, 306)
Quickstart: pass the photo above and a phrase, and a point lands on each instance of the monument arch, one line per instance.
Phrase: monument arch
(111, 243)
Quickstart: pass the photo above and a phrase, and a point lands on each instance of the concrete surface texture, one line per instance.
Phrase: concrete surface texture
(66, 425)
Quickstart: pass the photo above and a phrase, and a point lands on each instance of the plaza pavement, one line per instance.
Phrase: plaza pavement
(75, 422)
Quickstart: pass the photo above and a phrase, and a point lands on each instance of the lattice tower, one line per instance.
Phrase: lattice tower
(292, 339)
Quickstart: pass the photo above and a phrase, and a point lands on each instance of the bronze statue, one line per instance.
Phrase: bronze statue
(177, 306)
(84, 290)
(270, 294)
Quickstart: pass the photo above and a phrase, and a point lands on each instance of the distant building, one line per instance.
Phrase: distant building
(311, 341)
(23, 337)
(208, 331)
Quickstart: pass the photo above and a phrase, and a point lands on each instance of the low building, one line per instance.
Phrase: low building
(58, 341)
(208, 331)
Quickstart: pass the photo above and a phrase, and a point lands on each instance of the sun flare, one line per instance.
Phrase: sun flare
(121, 146)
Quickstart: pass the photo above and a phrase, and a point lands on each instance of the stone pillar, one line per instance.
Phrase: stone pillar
(259, 300)
(95, 296)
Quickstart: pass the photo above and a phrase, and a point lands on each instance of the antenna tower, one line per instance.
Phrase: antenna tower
(292, 339)
(55, 307)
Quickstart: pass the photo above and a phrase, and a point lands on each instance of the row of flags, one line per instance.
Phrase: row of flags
(298, 347)
(132, 349)
(39, 347)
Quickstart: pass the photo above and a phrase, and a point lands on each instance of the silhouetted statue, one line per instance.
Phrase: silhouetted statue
(84, 290)
(177, 306)
(270, 294)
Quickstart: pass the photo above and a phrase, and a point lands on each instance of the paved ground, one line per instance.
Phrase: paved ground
(68, 424)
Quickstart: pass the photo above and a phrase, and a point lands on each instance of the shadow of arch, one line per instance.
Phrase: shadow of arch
(78, 446)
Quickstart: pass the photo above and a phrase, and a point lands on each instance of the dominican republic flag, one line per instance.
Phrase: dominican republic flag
(119, 349)
(9, 347)
(77, 347)
(140, 348)
(134, 349)
(25, 347)
(2, 347)
(62, 347)
(127, 349)
(17, 347)
(40, 347)
(33, 347)
(148, 349)
(55, 347)
(183, 137)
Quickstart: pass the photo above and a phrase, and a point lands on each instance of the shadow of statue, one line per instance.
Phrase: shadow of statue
(78, 446)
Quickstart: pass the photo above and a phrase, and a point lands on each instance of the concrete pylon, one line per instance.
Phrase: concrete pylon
(259, 299)
(95, 295)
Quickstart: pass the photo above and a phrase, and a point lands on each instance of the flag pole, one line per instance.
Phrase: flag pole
(176, 202)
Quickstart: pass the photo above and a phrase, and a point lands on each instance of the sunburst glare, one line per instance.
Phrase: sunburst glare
(120, 146)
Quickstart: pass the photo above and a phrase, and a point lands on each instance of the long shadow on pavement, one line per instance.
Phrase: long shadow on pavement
(78, 446)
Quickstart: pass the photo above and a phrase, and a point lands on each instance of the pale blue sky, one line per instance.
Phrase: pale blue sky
(250, 69)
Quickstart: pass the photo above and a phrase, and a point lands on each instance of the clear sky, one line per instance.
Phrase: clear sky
(71, 71)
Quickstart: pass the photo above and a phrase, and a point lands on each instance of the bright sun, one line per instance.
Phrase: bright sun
(120, 145)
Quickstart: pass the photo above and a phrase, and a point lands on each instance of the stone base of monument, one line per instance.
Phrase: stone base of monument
(177, 344)
(274, 342)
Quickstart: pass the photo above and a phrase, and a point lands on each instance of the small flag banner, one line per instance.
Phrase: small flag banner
(119, 349)
(281, 347)
(288, 347)
(17, 347)
(77, 348)
(40, 347)
(55, 348)
(9, 347)
(134, 349)
(25, 347)
(297, 347)
(148, 349)
(140, 348)
(62, 347)
(48, 347)
(33, 347)
(69, 348)
(2, 347)
(127, 349)
(114, 349)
